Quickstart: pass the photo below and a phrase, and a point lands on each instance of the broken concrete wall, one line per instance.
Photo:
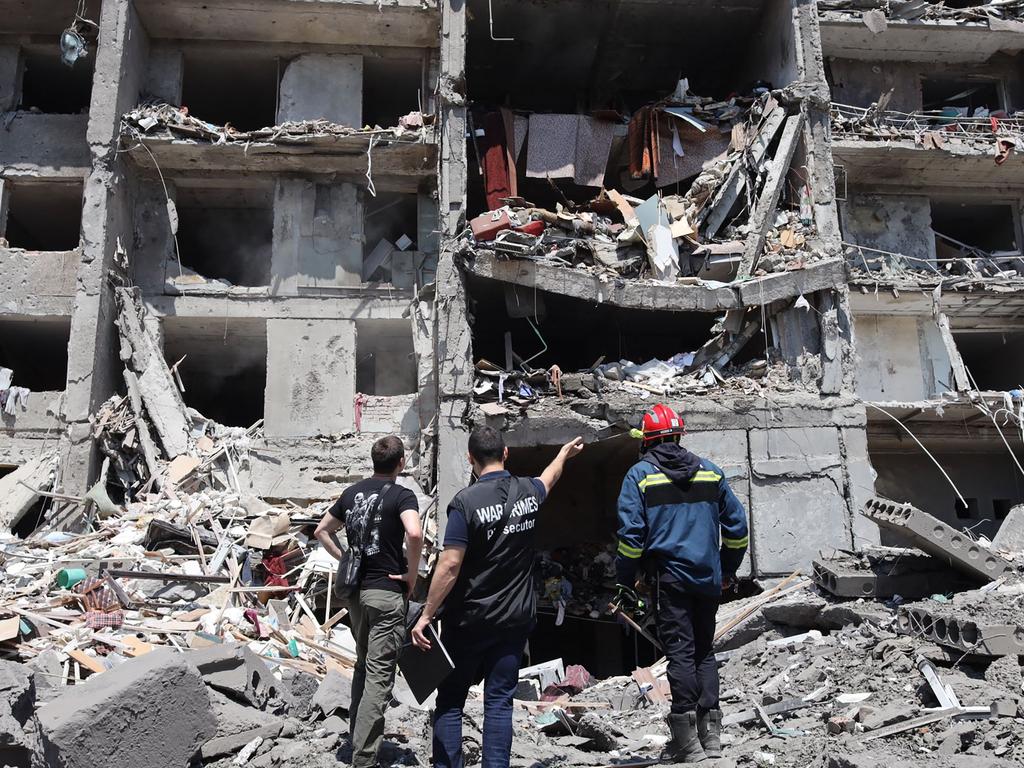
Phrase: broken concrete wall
(154, 241)
(45, 145)
(318, 232)
(860, 483)
(801, 470)
(899, 224)
(311, 369)
(94, 372)
(772, 55)
(41, 417)
(451, 332)
(798, 503)
(323, 87)
(164, 74)
(902, 358)
(859, 83)
(983, 475)
(10, 77)
(38, 282)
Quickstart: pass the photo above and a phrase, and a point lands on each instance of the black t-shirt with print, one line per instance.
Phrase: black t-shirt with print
(495, 583)
(383, 556)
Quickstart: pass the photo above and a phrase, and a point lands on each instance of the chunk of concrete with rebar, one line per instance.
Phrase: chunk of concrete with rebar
(933, 536)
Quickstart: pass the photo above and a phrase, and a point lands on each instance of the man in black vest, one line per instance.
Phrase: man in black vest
(484, 578)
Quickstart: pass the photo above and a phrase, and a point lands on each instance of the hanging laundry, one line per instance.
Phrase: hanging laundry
(643, 144)
(494, 160)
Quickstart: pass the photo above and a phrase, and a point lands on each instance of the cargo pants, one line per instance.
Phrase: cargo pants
(378, 626)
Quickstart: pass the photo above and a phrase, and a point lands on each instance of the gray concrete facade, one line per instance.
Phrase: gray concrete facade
(270, 271)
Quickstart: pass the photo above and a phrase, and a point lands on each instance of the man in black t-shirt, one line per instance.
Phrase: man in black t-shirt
(484, 578)
(388, 577)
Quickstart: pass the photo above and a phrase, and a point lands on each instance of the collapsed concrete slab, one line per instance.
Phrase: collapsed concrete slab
(1010, 537)
(935, 537)
(235, 670)
(334, 693)
(237, 725)
(952, 628)
(147, 374)
(150, 712)
(18, 489)
(884, 573)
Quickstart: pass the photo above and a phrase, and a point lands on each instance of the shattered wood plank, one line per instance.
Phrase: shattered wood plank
(715, 214)
(761, 218)
(644, 676)
(155, 384)
(87, 661)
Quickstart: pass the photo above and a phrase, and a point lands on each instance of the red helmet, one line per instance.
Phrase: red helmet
(662, 421)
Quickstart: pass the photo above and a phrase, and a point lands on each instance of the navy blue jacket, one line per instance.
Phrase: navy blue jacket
(693, 530)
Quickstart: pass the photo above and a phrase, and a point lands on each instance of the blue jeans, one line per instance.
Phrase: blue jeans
(487, 654)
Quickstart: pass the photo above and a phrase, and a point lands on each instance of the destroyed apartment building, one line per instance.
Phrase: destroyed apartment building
(239, 242)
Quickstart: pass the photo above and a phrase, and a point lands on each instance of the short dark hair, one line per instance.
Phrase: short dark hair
(386, 453)
(486, 445)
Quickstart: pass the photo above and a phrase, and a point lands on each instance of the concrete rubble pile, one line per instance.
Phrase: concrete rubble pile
(188, 621)
(921, 10)
(205, 613)
(727, 224)
(498, 391)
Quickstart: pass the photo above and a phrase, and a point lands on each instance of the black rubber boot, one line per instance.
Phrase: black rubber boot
(684, 747)
(709, 730)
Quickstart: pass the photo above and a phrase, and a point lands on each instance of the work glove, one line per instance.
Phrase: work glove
(628, 600)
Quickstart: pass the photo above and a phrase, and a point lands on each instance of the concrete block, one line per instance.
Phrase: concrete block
(952, 630)
(933, 536)
(150, 712)
(235, 670)
(1010, 537)
(911, 576)
(311, 378)
(305, 97)
(21, 742)
(792, 520)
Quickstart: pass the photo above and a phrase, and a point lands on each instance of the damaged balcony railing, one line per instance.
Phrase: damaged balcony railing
(976, 263)
(929, 127)
(921, 10)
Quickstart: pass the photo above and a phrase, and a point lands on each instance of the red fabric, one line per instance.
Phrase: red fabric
(99, 620)
(494, 160)
(275, 568)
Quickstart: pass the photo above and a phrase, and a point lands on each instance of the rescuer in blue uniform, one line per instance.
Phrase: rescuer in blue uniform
(677, 512)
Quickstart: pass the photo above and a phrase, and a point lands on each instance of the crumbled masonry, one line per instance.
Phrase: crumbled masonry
(241, 242)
